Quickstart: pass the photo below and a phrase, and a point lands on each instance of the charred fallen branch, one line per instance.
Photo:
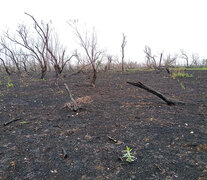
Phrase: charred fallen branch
(13, 120)
(65, 155)
(158, 94)
(75, 105)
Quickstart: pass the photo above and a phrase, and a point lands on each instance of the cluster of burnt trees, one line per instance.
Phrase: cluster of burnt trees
(40, 49)
(159, 61)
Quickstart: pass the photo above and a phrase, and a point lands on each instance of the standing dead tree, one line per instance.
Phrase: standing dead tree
(4, 62)
(195, 59)
(170, 60)
(158, 94)
(57, 55)
(5, 66)
(150, 59)
(185, 57)
(163, 62)
(11, 54)
(123, 44)
(109, 61)
(93, 54)
(36, 46)
(24, 61)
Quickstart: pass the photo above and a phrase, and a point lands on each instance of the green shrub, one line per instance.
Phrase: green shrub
(181, 75)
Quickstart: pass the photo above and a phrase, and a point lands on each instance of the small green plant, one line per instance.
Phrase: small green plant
(9, 85)
(0, 82)
(181, 75)
(128, 155)
(182, 86)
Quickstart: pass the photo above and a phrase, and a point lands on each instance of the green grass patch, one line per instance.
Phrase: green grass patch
(197, 68)
(139, 69)
(181, 75)
(188, 69)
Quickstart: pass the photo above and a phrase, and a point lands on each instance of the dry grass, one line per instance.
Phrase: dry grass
(80, 101)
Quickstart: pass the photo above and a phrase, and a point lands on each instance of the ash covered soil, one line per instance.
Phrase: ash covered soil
(169, 142)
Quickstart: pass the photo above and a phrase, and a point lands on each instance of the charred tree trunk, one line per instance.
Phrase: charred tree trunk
(25, 67)
(7, 70)
(168, 71)
(160, 63)
(43, 72)
(158, 94)
(57, 70)
(94, 77)
(5, 67)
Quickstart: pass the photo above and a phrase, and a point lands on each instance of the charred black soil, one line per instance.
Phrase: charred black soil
(37, 129)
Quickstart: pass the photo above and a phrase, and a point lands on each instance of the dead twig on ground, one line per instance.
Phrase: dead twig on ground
(13, 120)
(114, 140)
(65, 155)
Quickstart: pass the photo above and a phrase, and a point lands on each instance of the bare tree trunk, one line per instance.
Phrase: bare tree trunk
(43, 72)
(158, 94)
(160, 63)
(5, 67)
(57, 70)
(122, 51)
(94, 77)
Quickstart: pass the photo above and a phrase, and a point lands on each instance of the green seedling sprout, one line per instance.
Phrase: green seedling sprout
(128, 155)
(9, 85)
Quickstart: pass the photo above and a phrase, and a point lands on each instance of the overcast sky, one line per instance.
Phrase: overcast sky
(164, 25)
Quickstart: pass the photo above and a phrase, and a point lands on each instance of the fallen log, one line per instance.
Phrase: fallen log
(75, 105)
(158, 94)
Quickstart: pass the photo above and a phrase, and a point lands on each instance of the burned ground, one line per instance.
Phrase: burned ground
(169, 142)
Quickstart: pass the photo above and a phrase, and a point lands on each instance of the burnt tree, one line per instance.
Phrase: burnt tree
(123, 44)
(90, 46)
